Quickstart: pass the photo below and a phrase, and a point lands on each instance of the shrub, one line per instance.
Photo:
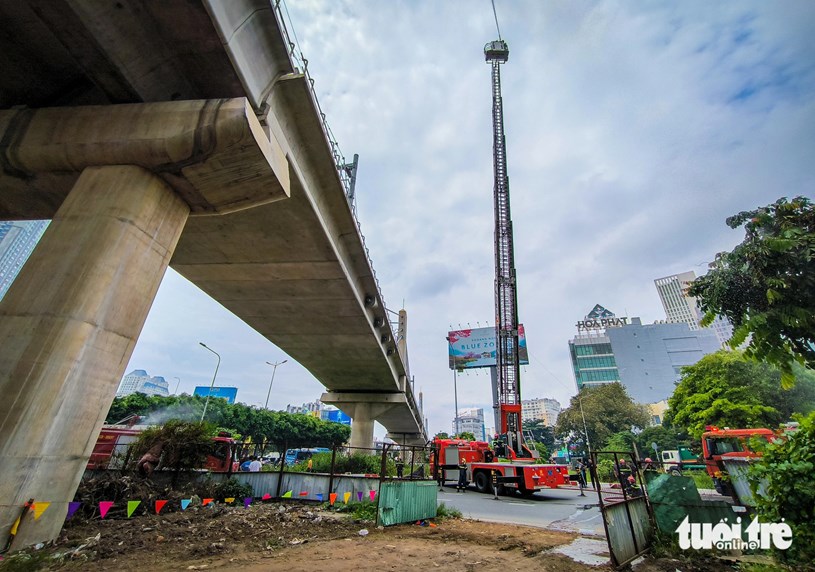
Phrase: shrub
(786, 473)
(443, 511)
(605, 471)
(232, 488)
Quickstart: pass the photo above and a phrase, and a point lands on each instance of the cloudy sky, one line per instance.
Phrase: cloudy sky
(633, 130)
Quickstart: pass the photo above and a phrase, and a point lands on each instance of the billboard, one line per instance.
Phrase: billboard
(475, 348)
(228, 393)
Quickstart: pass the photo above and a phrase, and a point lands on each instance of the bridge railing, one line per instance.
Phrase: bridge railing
(298, 60)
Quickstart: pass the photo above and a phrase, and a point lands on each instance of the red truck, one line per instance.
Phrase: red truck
(721, 444)
(524, 476)
(114, 441)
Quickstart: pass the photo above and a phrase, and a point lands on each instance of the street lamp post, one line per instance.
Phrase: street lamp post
(274, 365)
(176, 385)
(455, 385)
(585, 428)
(211, 385)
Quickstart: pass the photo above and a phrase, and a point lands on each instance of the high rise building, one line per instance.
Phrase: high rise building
(138, 381)
(544, 409)
(472, 421)
(17, 241)
(646, 359)
(681, 308)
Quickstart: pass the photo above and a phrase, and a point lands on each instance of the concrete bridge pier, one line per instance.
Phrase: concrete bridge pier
(363, 409)
(68, 326)
(70, 321)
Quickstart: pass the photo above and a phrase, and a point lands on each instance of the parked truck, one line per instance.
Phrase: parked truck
(682, 459)
(511, 474)
(114, 441)
(721, 444)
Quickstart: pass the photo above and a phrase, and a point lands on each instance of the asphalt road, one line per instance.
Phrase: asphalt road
(560, 509)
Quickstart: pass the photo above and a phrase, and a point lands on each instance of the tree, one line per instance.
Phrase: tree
(727, 389)
(786, 474)
(666, 438)
(766, 285)
(442, 435)
(466, 435)
(607, 408)
(541, 433)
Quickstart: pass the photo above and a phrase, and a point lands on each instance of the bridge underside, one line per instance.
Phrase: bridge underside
(219, 167)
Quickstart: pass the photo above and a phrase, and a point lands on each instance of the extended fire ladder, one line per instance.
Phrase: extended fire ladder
(506, 305)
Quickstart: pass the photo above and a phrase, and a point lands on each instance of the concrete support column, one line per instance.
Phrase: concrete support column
(68, 326)
(362, 426)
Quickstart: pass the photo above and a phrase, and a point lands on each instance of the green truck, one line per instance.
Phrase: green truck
(678, 460)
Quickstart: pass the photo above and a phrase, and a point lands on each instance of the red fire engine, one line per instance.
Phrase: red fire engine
(512, 474)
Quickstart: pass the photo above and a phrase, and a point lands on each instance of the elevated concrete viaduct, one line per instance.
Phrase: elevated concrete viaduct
(156, 133)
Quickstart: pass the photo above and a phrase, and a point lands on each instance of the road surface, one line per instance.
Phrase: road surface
(560, 509)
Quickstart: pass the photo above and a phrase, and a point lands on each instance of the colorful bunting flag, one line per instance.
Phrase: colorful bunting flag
(303, 493)
(359, 496)
(320, 497)
(14, 526)
(39, 508)
(287, 494)
(247, 501)
(373, 494)
(104, 507)
(131, 506)
(332, 497)
(267, 496)
(160, 505)
(73, 506)
(185, 503)
(229, 500)
(206, 501)
(346, 496)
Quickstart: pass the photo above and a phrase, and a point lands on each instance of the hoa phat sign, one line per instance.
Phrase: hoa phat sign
(600, 318)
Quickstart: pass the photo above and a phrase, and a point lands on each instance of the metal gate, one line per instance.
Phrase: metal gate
(407, 501)
(626, 513)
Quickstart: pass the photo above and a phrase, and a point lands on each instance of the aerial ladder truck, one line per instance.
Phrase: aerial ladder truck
(508, 464)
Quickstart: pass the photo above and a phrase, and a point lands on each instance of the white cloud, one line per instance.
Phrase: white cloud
(633, 131)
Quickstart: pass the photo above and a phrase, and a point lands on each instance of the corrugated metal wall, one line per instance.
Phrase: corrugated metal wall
(625, 546)
(407, 501)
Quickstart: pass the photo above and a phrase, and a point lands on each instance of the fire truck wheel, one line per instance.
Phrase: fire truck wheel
(482, 482)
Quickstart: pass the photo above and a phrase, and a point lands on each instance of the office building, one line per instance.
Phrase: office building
(543, 409)
(313, 408)
(17, 241)
(646, 359)
(682, 308)
(138, 381)
(472, 421)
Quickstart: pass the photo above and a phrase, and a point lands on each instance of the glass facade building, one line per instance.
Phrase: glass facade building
(17, 242)
(646, 359)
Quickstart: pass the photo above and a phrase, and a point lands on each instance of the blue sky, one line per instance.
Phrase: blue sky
(633, 130)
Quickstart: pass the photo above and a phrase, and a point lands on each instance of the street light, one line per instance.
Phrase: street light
(211, 385)
(176, 385)
(455, 384)
(585, 429)
(274, 365)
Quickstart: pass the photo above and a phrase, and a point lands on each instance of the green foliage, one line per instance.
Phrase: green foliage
(666, 438)
(181, 445)
(786, 472)
(442, 435)
(260, 425)
(607, 408)
(701, 478)
(542, 450)
(605, 471)
(356, 463)
(541, 433)
(364, 511)
(232, 488)
(727, 389)
(766, 285)
(466, 435)
(444, 512)
(621, 441)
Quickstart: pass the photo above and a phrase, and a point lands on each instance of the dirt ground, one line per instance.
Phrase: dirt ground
(295, 537)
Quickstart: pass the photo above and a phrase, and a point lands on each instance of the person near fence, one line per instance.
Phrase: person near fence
(462, 476)
(255, 465)
(400, 467)
(581, 475)
(310, 466)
